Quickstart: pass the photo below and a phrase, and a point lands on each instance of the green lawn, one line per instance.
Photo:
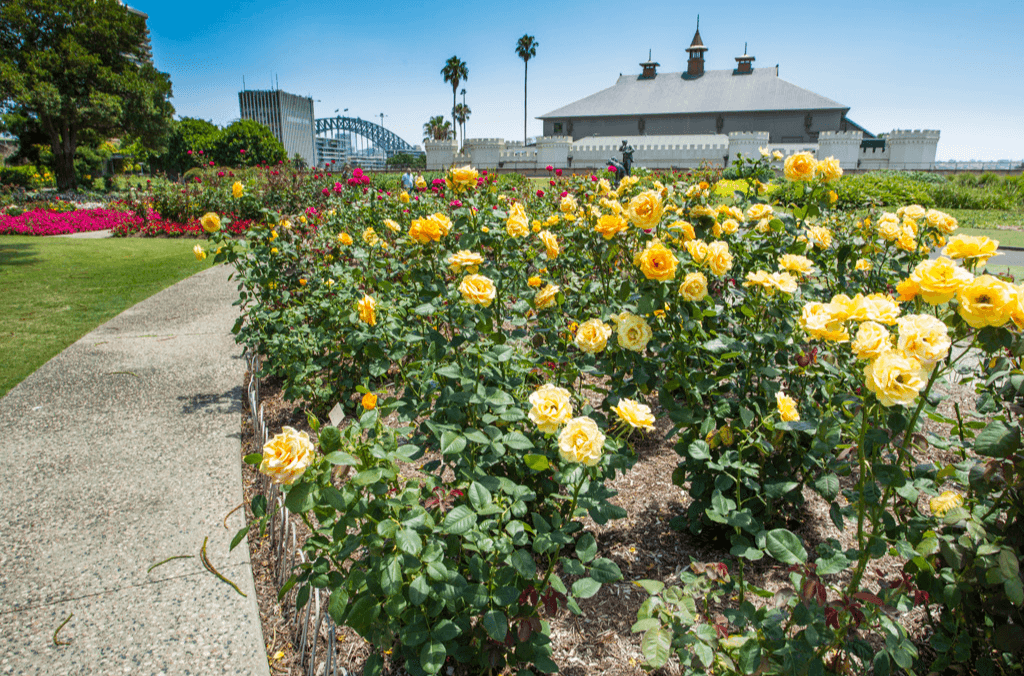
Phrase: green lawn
(985, 219)
(57, 289)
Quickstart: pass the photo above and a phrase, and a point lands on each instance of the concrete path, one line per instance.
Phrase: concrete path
(92, 234)
(118, 453)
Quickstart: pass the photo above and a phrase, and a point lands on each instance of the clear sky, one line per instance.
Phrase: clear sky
(952, 66)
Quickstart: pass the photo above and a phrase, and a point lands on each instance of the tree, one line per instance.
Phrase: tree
(462, 112)
(454, 71)
(77, 68)
(526, 49)
(247, 143)
(437, 129)
(187, 138)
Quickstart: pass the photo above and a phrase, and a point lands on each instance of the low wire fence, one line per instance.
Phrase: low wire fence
(313, 631)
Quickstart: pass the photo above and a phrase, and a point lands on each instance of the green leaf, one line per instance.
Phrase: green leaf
(538, 463)
(445, 631)
(432, 656)
(496, 624)
(585, 587)
(784, 546)
(605, 570)
(253, 459)
(586, 548)
(833, 564)
(419, 591)
(338, 605)
(750, 656)
(1014, 590)
(459, 520)
(479, 496)
(341, 458)
(518, 441)
(239, 536)
(997, 440)
(656, 645)
(301, 498)
(409, 541)
(524, 564)
(828, 486)
(452, 443)
(645, 624)
(882, 665)
(391, 577)
(330, 440)
(367, 477)
(374, 665)
(650, 586)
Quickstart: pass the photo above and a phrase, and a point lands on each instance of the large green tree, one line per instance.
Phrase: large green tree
(455, 71)
(77, 68)
(526, 49)
(248, 143)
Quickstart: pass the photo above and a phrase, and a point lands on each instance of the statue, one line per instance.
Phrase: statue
(625, 167)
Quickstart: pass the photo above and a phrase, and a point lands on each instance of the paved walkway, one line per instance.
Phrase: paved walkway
(120, 452)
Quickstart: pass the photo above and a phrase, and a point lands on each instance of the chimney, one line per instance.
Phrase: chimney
(650, 68)
(744, 65)
(695, 64)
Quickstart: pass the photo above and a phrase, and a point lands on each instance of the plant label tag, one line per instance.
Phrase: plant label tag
(336, 415)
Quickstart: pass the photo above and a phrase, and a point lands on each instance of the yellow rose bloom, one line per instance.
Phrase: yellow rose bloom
(345, 238)
(795, 263)
(518, 223)
(923, 337)
(787, 407)
(534, 281)
(913, 211)
(546, 297)
(368, 310)
(633, 331)
(889, 229)
(551, 248)
(465, 261)
(286, 456)
(477, 290)
(941, 221)
(759, 278)
(461, 179)
(430, 229)
(369, 401)
(698, 250)
(800, 167)
(645, 209)
(197, 250)
(550, 407)
(939, 280)
(404, 197)
(820, 237)
(634, 414)
(986, 301)
(895, 378)
(819, 320)
(210, 222)
(592, 336)
(719, 259)
(907, 290)
(945, 502)
(567, 204)
(875, 307)
(863, 265)
(684, 229)
(237, 190)
(392, 225)
(610, 225)
(872, 340)
(828, 170)
(763, 226)
(758, 211)
(657, 262)
(420, 183)
(694, 287)
(370, 236)
(966, 246)
(581, 441)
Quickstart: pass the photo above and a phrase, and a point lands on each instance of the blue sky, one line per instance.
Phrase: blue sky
(955, 67)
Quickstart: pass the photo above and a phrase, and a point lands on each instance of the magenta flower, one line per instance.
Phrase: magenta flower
(558, 172)
(455, 204)
(540, 193)
(549, 167)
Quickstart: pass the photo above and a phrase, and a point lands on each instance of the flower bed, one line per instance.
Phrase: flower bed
(47, 222)
(519, 342)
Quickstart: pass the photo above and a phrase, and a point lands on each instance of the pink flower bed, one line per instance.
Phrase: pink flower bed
(157, 227)
(45, 223)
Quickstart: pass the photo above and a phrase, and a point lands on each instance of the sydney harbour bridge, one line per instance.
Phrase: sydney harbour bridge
(357, 141)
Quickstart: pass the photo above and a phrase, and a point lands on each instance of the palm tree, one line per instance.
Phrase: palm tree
(526, 49)
(437, 129)
(462, 113)
(454, 71)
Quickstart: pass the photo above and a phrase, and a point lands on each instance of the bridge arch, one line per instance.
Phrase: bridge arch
(380, 137)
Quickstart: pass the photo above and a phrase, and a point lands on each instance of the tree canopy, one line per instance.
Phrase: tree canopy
(76, 68)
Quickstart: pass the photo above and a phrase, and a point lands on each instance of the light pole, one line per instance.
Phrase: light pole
(463, 92)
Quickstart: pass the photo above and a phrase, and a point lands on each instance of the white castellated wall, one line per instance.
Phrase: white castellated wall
(842, 145)
(747, 143)
(912, 149)
(904, 150)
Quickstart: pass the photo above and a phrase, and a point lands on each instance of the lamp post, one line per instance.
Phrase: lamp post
(463, 92)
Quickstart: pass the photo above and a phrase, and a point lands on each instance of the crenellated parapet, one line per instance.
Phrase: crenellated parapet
(485, 153)
(912, 149)
(747, 143)
(440, 154)
(842, 145)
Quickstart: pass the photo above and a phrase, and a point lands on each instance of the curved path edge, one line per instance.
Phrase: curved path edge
(118, 453)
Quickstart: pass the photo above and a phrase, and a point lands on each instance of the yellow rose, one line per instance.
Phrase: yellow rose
(863, 265)
(820, 237)
(592, 336)
(420, 183)
(923, 337)
(875, 307)
(546, 297)
(368, 310)
(581, 441)
(889, 229)
(197, 250)
(237, 190)
(872, 340)
(763, 226)
(286, 456)
(657, 262)
(758, 211)
(820, 321)
(404, 197)
(567, 205)
(986, 301)
(210, 222)
(800, 167)
(729, 226)
(370, 236)
(633, 331)
(784, 282)
(551, 406)
(465, 260)
(907, 290)
(477, 290)
(430, 229)
(345, 238)
(391, 225)
(945, 502)
(694, 287)
(966, 246)
(759, 278)
(701, 211)
(895, 378)
(518, 223)
(795, 263)
(719, 259)
(698, 250)
(645, 209)
(461, 179)
(634, 414)
(610, 225)
(941, 221)
(828, 170)
(684, 229)
(551, 248)
(534, 281)
(939, 280)
(369, 401)
(787, 407)
(913, 211)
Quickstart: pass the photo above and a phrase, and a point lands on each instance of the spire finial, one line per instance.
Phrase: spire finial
(648, 54)
(744, 49)
(698, 22)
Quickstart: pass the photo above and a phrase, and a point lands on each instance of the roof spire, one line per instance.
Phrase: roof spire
(695, 64)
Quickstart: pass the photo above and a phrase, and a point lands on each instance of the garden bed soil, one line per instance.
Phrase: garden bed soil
(644, 545)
